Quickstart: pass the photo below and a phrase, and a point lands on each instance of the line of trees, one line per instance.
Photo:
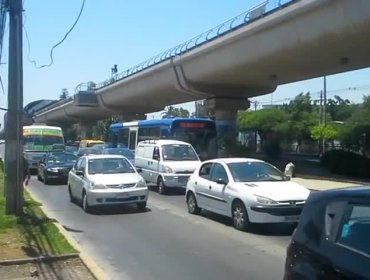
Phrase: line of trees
(301, 120)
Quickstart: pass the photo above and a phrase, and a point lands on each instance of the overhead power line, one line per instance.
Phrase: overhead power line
(57, 44)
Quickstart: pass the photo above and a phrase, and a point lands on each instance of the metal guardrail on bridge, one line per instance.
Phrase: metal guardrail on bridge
(255, 13)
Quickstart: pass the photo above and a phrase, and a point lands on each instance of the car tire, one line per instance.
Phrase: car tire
(191, 201)
(240, 216)
(85, 205)
(71, 198)
(162, 189)
(141, 205)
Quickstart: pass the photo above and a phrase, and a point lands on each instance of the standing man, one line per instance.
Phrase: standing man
(26, 171)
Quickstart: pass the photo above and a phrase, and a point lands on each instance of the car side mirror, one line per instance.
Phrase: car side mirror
(139, 170)
(80, 172)
(222, 181)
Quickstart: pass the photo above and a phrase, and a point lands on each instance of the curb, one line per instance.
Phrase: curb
(90, 264)
(332, 178)
(44, 258)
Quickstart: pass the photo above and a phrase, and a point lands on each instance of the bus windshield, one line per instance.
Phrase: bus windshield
(37, 138)
(202, 136)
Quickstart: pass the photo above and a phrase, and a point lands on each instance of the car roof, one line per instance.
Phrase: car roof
(341, 193)
(234, 160)
(103, 156)
(60, 153)
(163, 142)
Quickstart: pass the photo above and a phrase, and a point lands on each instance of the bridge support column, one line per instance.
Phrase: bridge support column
(225, 111)
(85, 130)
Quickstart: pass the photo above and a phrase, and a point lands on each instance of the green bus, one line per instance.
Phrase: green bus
(39, 139)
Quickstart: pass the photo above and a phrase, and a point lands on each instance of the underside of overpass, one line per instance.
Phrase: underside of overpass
(307, 39)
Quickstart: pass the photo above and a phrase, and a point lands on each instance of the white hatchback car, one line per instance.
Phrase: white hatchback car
(248, 190)
(106, 179)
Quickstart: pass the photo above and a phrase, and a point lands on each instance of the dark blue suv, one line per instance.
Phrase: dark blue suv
(332, 240)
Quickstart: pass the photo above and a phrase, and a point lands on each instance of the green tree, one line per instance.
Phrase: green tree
(322, 132)
(171, 111)
(267, 122)
(340, 109)
(356, 130)
(301, 117)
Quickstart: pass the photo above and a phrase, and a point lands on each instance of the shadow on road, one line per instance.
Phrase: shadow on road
(169, 191)
(279, 229)
(118, 210)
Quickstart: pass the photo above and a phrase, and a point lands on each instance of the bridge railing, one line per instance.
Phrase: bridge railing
(259, 11)
(254, 13)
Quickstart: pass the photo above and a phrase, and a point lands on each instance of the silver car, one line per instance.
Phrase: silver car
(106, 179)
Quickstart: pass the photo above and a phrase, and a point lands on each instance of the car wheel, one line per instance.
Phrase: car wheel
(162, 189)
(71, 198)
(141, 205)
(240, 216)
(192, 204)
(85, 203)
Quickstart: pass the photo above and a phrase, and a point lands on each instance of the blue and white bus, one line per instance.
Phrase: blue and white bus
(199, 132)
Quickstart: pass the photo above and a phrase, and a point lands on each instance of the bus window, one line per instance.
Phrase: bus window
(123, 136)
(132, 143)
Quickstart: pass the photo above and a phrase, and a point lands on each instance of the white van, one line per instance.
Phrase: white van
(166, 163)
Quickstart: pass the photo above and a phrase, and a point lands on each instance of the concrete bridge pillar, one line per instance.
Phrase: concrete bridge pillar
(85, 130)
(225, 111)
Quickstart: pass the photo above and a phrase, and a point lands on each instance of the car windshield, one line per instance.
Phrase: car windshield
(61, 159)
(121, 151)
(176, 152)
(254, 172)
(109, 166)
(71, 148)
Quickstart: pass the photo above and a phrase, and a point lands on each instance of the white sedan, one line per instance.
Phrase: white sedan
(247, 190)
(106, 179)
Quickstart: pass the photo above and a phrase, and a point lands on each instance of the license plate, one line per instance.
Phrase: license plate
(291, 219)
(122, 195)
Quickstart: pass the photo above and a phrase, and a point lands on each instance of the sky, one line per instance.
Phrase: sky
(126, 33)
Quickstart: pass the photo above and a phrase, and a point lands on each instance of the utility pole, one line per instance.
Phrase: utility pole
(13, 130)
(324, 115)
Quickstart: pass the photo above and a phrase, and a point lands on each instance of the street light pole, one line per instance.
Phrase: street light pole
(324, 115)
(13, 129)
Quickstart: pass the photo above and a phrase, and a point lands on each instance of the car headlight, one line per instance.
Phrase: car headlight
(265, 200)
(97, 186)
(167, 169)
(53, 169)
(141, 184)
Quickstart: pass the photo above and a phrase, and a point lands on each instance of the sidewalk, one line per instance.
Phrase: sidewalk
(321, 184)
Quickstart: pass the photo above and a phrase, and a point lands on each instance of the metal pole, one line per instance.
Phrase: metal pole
(324, 114)
(13, 129)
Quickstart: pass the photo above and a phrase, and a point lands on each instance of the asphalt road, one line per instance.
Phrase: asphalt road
(165, 242)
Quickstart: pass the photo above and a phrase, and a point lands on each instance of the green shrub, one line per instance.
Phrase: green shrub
(346, 163)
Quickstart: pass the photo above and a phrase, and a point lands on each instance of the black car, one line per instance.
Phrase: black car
(55, 166)
(332, 240)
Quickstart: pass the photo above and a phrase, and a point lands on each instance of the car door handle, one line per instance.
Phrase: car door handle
(210, 187)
